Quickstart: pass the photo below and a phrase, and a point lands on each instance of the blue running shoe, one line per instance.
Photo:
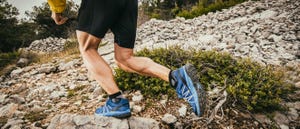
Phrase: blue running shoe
(188, 87)
(120, 109)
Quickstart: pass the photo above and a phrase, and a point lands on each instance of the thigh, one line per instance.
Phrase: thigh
(122, 53)
(87, 41)
(97, 16)
(125, 27)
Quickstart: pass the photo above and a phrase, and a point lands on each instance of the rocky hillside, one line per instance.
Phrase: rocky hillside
(59, 95)
(48, 45)
(267, 31)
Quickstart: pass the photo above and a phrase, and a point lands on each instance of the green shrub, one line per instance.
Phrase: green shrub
(35, 116)
(155, 15)
(3, 121)
(253, 86)
(8, 58)
(73, 92)
(169, 9)
(203, 7)
(70, 44)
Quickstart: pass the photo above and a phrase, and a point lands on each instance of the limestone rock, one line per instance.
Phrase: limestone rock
(297, 84)
(69, 65)
(62, 121)
(81, 120)
(8, 110)
(182, 110)
(283, 126)
(22, 62)
(293, 114)
(111, 123)
(73, 121)
(281, 119)
(268, 14)
(262, 118)
(137, 108)
(57, 94)
(137, 98)
(2, 98)
(47, 69)
(143, 123)
(169, 119)
(13, 124)
(16, 73)
(17, 99)
(47, 45)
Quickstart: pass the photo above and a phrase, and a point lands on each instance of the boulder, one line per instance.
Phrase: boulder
(73, 121)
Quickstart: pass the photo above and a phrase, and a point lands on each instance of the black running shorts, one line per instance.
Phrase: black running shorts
(120, 16)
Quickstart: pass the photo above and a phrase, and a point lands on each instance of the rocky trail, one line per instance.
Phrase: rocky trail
(59, 94)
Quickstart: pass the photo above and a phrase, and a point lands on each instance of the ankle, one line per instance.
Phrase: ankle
(116, 97)
(172, 79)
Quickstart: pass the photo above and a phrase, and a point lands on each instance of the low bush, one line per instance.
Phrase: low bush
(252, 85)
(35, 116)
(203, 8)
(168, 9)
(70, 44)
(8, 58)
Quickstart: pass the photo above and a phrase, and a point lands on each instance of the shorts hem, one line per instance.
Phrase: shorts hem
(87, 31)
(125, 46)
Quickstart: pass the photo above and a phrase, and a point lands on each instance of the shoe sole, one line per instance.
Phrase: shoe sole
(192, 73)
(123, 116)
(116, 115)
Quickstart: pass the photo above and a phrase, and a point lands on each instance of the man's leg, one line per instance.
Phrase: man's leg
(116, 105)
(141, 65)
(100, 70)
(184, 79)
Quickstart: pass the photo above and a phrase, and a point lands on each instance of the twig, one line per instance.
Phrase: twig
(221, 102)
(198, 118)
(222, 111)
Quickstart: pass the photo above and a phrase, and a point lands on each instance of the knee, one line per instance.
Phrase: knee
(88, 43)
(122, 62)
(86, 47)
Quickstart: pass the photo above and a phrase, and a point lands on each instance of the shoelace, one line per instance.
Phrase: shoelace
(186, 93)
(105, 108)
